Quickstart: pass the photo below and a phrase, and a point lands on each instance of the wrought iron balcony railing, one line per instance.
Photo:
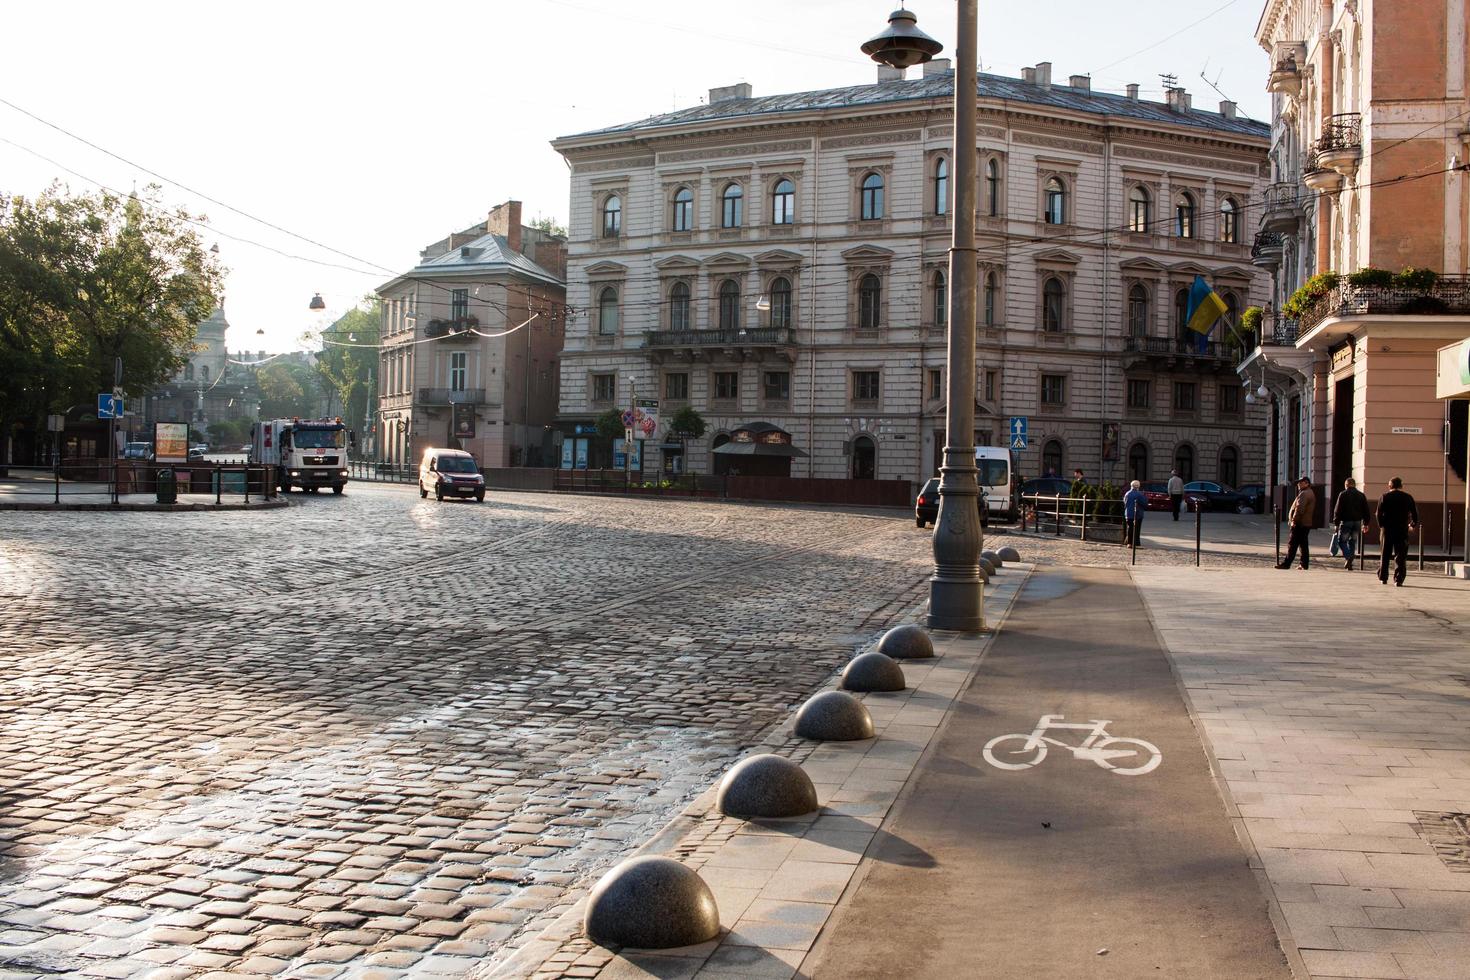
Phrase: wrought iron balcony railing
(1340, 132)
(752, 337)
(1177, 347)
(1447, 296)
(448, 396)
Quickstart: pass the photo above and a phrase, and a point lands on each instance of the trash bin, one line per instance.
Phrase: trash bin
(168, 486)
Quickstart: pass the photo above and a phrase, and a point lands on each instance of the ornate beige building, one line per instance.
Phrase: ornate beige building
(782, 260)
(1370, 124)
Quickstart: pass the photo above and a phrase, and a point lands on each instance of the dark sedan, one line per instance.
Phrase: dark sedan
(1256, 494)
(1046, 486)
(926, 506)
(1217, 496)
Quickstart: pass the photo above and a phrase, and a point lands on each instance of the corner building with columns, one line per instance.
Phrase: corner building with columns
(782, 260)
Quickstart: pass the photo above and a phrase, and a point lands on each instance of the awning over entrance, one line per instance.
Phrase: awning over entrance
(760, 439)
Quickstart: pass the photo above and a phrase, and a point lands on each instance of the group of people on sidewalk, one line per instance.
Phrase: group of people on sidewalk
(1396, 515)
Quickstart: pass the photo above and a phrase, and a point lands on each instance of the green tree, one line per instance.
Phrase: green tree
(86, 279)
(348, 363)
(688, 424)
(610, 426)
(286, 390)
(549, 225)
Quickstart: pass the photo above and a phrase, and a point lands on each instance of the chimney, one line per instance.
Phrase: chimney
(550, 253)
(938, 66)
(1083, 82)
(1227, 109)
(729, 93)
(1028, 75)
(886, 74)
(1043, 74)
(1133, 91)
(1178, 99)
(505, 220)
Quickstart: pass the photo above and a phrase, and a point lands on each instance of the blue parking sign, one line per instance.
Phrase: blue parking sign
(1018, 431)
(109, 405)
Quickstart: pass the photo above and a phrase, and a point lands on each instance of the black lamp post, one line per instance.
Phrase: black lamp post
(956, 591)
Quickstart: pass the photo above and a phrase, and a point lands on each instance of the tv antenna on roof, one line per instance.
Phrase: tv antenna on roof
(1170, 81)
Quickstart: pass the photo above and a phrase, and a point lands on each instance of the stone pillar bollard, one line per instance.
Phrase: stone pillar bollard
(651, 903)
(766, 786)
(834, 716)
(906, 642)
(873, 671)
(1009, 555)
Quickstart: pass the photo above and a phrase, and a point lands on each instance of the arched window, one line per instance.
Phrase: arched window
(679, 306)
(1138, 462)
(941, 186)
(733, 200)
(1229, 471)
(783, 203)
(683, 209)
(992, 188)
(1138, 311)
(988, 299)
(872, 197)
(729, 305)
(864, 458)
(612, 217)
(1056, 202)
(1229, 222)
(1051, 458)
(607, 312)
(780, 302)
(1184, 215)
(1181, 317)
(1139, 206)
(870, 293)
(1053, 305)
(1184, 461)
(941, 300)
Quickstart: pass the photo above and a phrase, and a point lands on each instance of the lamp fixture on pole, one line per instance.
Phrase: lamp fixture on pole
(956, 591)
(317, 303)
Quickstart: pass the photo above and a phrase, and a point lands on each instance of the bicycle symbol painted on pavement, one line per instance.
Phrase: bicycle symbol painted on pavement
(1124, 756)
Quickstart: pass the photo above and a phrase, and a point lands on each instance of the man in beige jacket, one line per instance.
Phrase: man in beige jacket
(1301, 518)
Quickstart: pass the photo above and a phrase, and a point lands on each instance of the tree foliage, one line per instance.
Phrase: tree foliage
(287, 390)
(688, 423)
(610, 425)
(549, 225)
(352, 371)
(86, 279)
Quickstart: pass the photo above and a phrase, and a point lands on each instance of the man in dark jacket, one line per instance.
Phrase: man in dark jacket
(1348, 515)
(1397, 516)
(1303, 515)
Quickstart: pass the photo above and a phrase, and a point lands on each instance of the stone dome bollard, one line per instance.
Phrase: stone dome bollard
(873, 671)
(1009, 554)
(766, 786)
(987, 567)
(651, 903)
(834, 716)
(906, 642)
(992, 557)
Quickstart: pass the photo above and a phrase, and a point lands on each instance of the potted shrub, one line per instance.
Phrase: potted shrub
(1308, 294)
(1371, 278)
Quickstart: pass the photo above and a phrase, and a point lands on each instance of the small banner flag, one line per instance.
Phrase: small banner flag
(1205, 307)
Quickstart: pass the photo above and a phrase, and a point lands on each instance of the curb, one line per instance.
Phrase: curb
(263, 505)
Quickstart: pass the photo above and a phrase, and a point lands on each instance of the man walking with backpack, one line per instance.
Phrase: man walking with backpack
(1397, 516)
(1348, 515)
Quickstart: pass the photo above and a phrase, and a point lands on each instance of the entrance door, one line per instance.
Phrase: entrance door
(864, 458)
(1342, 434)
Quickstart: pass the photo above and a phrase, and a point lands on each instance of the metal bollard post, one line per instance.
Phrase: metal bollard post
(247, 483)
(219, 484)
(1198, 524)
(1276, 519)
(1134, 530)
(1058, 499)
(1084, 518)
(1420, 532)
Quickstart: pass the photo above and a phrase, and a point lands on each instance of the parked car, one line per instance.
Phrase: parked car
(197, 452)
(450, 473)
(1256, 494)
(926, 505)
(1158, 496)
(137, 450)
(1217, 496)
(1046, 486)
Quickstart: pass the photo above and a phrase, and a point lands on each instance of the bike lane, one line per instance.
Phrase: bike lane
(1063, 868)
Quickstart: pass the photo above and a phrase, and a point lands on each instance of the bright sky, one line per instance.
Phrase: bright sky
(374, 128)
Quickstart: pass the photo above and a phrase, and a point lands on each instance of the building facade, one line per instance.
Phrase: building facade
(470, 342)
(207, 388)
(782, 260)
(1368, 140)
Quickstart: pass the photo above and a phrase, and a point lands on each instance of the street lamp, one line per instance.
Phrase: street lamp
(956, 591)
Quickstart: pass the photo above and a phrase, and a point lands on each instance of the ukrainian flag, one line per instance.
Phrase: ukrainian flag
(1205, 307)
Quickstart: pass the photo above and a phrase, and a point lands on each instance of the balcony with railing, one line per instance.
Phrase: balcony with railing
(1172, 353)
(690, 343)
(438, 397)
(1267, 249)
(1282, 207)
(1341, 143)
(1285, 77)
(1445, 296)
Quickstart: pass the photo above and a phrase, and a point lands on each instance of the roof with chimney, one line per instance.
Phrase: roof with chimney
(940, 85)
(489, 254)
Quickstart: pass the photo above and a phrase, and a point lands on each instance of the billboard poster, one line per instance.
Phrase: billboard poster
(464, 421)
(1110, 442)
(568, 447)
(582, 445)
(619, 461)
(171, 442)
(645, 421)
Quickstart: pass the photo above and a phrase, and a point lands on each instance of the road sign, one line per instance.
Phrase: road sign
(1018, 431)
(109, 405)
(56, 423)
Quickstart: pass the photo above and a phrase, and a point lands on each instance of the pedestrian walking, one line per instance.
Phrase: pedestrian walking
(1396, 516)
(1176, 492)
(1135, 505)
(1301, 517)
(1348, 515)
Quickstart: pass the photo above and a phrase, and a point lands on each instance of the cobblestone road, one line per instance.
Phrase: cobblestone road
(374, 736)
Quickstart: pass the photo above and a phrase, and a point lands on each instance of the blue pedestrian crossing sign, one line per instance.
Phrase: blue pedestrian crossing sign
(109, 405)
(1018, 431)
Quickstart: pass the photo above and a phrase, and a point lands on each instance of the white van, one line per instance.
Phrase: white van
(994, 477)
